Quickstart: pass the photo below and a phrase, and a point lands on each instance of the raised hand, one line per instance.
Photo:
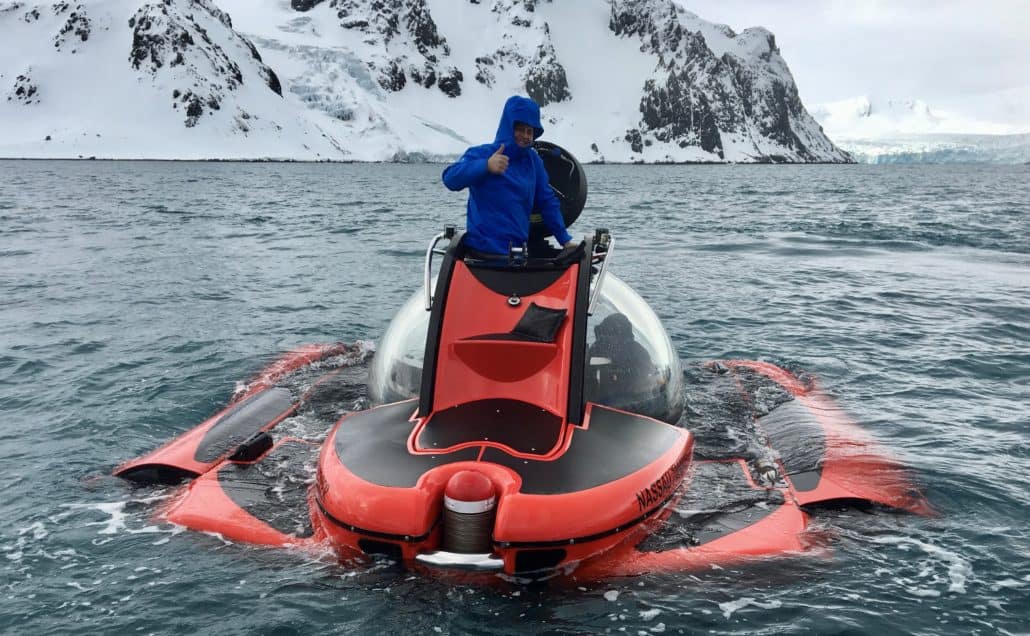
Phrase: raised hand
(498, 162)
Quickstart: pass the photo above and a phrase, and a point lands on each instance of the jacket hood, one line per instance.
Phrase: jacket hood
(517, 109)
(614, 328)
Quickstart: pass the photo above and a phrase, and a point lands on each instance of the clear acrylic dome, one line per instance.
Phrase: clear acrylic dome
(630, 363)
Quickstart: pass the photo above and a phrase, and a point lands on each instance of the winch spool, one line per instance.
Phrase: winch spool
(469, 505)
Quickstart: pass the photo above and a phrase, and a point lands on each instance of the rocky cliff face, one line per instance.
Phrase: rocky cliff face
(171, 39)
(528, 50)
(411, 48)
(619, 80)
(737, 102)
(745, 96)
(408, 46)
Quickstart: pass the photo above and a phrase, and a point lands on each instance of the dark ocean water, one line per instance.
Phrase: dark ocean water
(135, 296)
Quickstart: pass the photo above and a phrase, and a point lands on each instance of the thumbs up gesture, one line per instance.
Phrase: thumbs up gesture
(498, 162)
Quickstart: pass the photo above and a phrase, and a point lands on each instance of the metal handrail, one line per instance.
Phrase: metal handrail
(600, 276)
(429, 266)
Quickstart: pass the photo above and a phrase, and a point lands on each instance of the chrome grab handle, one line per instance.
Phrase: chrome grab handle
(429, 264)
(607, 256)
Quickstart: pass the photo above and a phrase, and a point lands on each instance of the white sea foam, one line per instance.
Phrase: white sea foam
(729, 607)
(958, 568)
(27, 535)
(118, 519)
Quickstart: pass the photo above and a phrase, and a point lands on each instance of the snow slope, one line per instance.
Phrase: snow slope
(619, 80)
(83, 97)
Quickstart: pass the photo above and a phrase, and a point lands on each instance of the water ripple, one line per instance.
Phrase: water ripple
(137, 294)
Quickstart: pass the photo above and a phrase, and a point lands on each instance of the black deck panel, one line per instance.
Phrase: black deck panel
(615, 445)
(242, 421)
(275, 489)
(374, 446)
(521, 426)
(519, 281)
(799, 438)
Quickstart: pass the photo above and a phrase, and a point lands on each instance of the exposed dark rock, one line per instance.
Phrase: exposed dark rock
(24, 90)
(305, 5)
(424, 76)
(77, 25)
(241, 121)
(450, 83)
(484, 74)
(273, 82)
(392, 77)
(423, 30)
(635, 143)
(546, 82)
(673, 111)
(193, 111)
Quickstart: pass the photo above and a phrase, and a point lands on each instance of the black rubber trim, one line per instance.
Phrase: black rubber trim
(522, 427)
(242, 421)
(374, 446)
(407, 538)
(527, 561)
(590, 537)
(454, 253)
(152, 474)
(391, 551)
(255, 446)
(503, 337)
(617, 444)
(576, 408)
(519, 281)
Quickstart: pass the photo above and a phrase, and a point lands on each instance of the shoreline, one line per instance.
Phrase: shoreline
(441, 162)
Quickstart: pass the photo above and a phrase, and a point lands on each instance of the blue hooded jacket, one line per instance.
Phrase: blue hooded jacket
(500, 204)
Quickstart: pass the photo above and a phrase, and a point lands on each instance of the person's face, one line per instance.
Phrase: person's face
(523, 134)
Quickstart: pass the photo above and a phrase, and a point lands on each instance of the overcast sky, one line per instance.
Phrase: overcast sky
(938, 50)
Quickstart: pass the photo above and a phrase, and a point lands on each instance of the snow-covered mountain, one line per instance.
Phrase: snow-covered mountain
(907, 131)
(370, 80)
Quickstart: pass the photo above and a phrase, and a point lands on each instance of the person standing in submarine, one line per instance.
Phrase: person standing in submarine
(507, 181)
